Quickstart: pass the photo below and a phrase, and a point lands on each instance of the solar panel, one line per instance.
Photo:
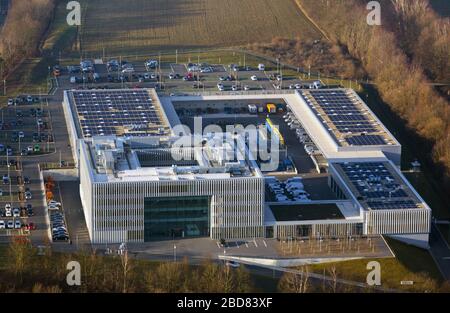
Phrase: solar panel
(392, 205)
(117, 112)
(365, 140)
(344, 116)
(377, 185)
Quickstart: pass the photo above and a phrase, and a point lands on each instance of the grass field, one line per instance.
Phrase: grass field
(142, 25)
(410, 264)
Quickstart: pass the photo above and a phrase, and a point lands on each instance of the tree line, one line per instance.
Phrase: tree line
(24, 268)
(399, 57)
(24, 26)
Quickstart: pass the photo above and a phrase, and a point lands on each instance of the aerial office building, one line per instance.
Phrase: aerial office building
(138, 184)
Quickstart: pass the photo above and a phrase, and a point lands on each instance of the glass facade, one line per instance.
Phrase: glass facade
(176, 217)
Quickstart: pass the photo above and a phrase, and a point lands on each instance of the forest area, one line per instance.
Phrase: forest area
(32, 18)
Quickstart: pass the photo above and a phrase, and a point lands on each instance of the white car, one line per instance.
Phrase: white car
(298, 86)
(220, 87)
(310, 148)
(8, 206)
(53, 202)
(254, 78)
(17, 224)
(2, 225)
(52, 207)
(206, 70)
(246, 88)
(234, 88)
(151, 64)
(128, 70)
(16, 213)
(300, 193)
(21, 135)
(146, 76)
(10, 102)
(10, 224)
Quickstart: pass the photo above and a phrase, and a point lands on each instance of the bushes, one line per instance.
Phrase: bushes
(324, 57)
(25, 24)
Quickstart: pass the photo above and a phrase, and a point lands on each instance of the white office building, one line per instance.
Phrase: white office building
(136, 192)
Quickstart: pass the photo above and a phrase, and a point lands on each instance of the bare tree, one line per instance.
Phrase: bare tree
(333, 275)
(126, 268)
(295, 282)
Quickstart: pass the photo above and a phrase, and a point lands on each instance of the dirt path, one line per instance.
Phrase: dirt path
(305, 13)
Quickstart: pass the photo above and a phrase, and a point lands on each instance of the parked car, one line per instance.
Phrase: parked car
(17, 224)
(28, 195)
(16, 212)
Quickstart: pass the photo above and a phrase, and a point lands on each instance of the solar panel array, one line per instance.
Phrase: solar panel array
(117, 112)
(345, 116)
(366, 140)
(376, 185)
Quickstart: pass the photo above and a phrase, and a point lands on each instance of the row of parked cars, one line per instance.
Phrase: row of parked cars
(290, 190)
(26, 211)
(23, 100)
(300, 133)
(57, 221)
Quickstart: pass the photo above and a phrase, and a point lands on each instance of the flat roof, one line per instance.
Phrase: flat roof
(306, 212)
(213, 156)
(119, 112)
(378, 185)
(319, 131)
(346, 117)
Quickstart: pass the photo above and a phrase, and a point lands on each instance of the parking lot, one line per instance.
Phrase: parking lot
(33, 133)
(26, 128)
(173, 77)
(20, 197)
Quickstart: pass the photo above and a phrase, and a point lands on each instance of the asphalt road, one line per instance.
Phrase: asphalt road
(440, 251)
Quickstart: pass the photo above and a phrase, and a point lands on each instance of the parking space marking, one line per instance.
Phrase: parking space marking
(218, 245)
(264, 242)
(254, 241)
(237, 245)
(246, 244)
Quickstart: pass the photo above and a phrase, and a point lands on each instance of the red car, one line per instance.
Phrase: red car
(31, 226)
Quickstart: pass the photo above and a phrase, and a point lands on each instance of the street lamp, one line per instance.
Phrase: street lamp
(174, 253)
